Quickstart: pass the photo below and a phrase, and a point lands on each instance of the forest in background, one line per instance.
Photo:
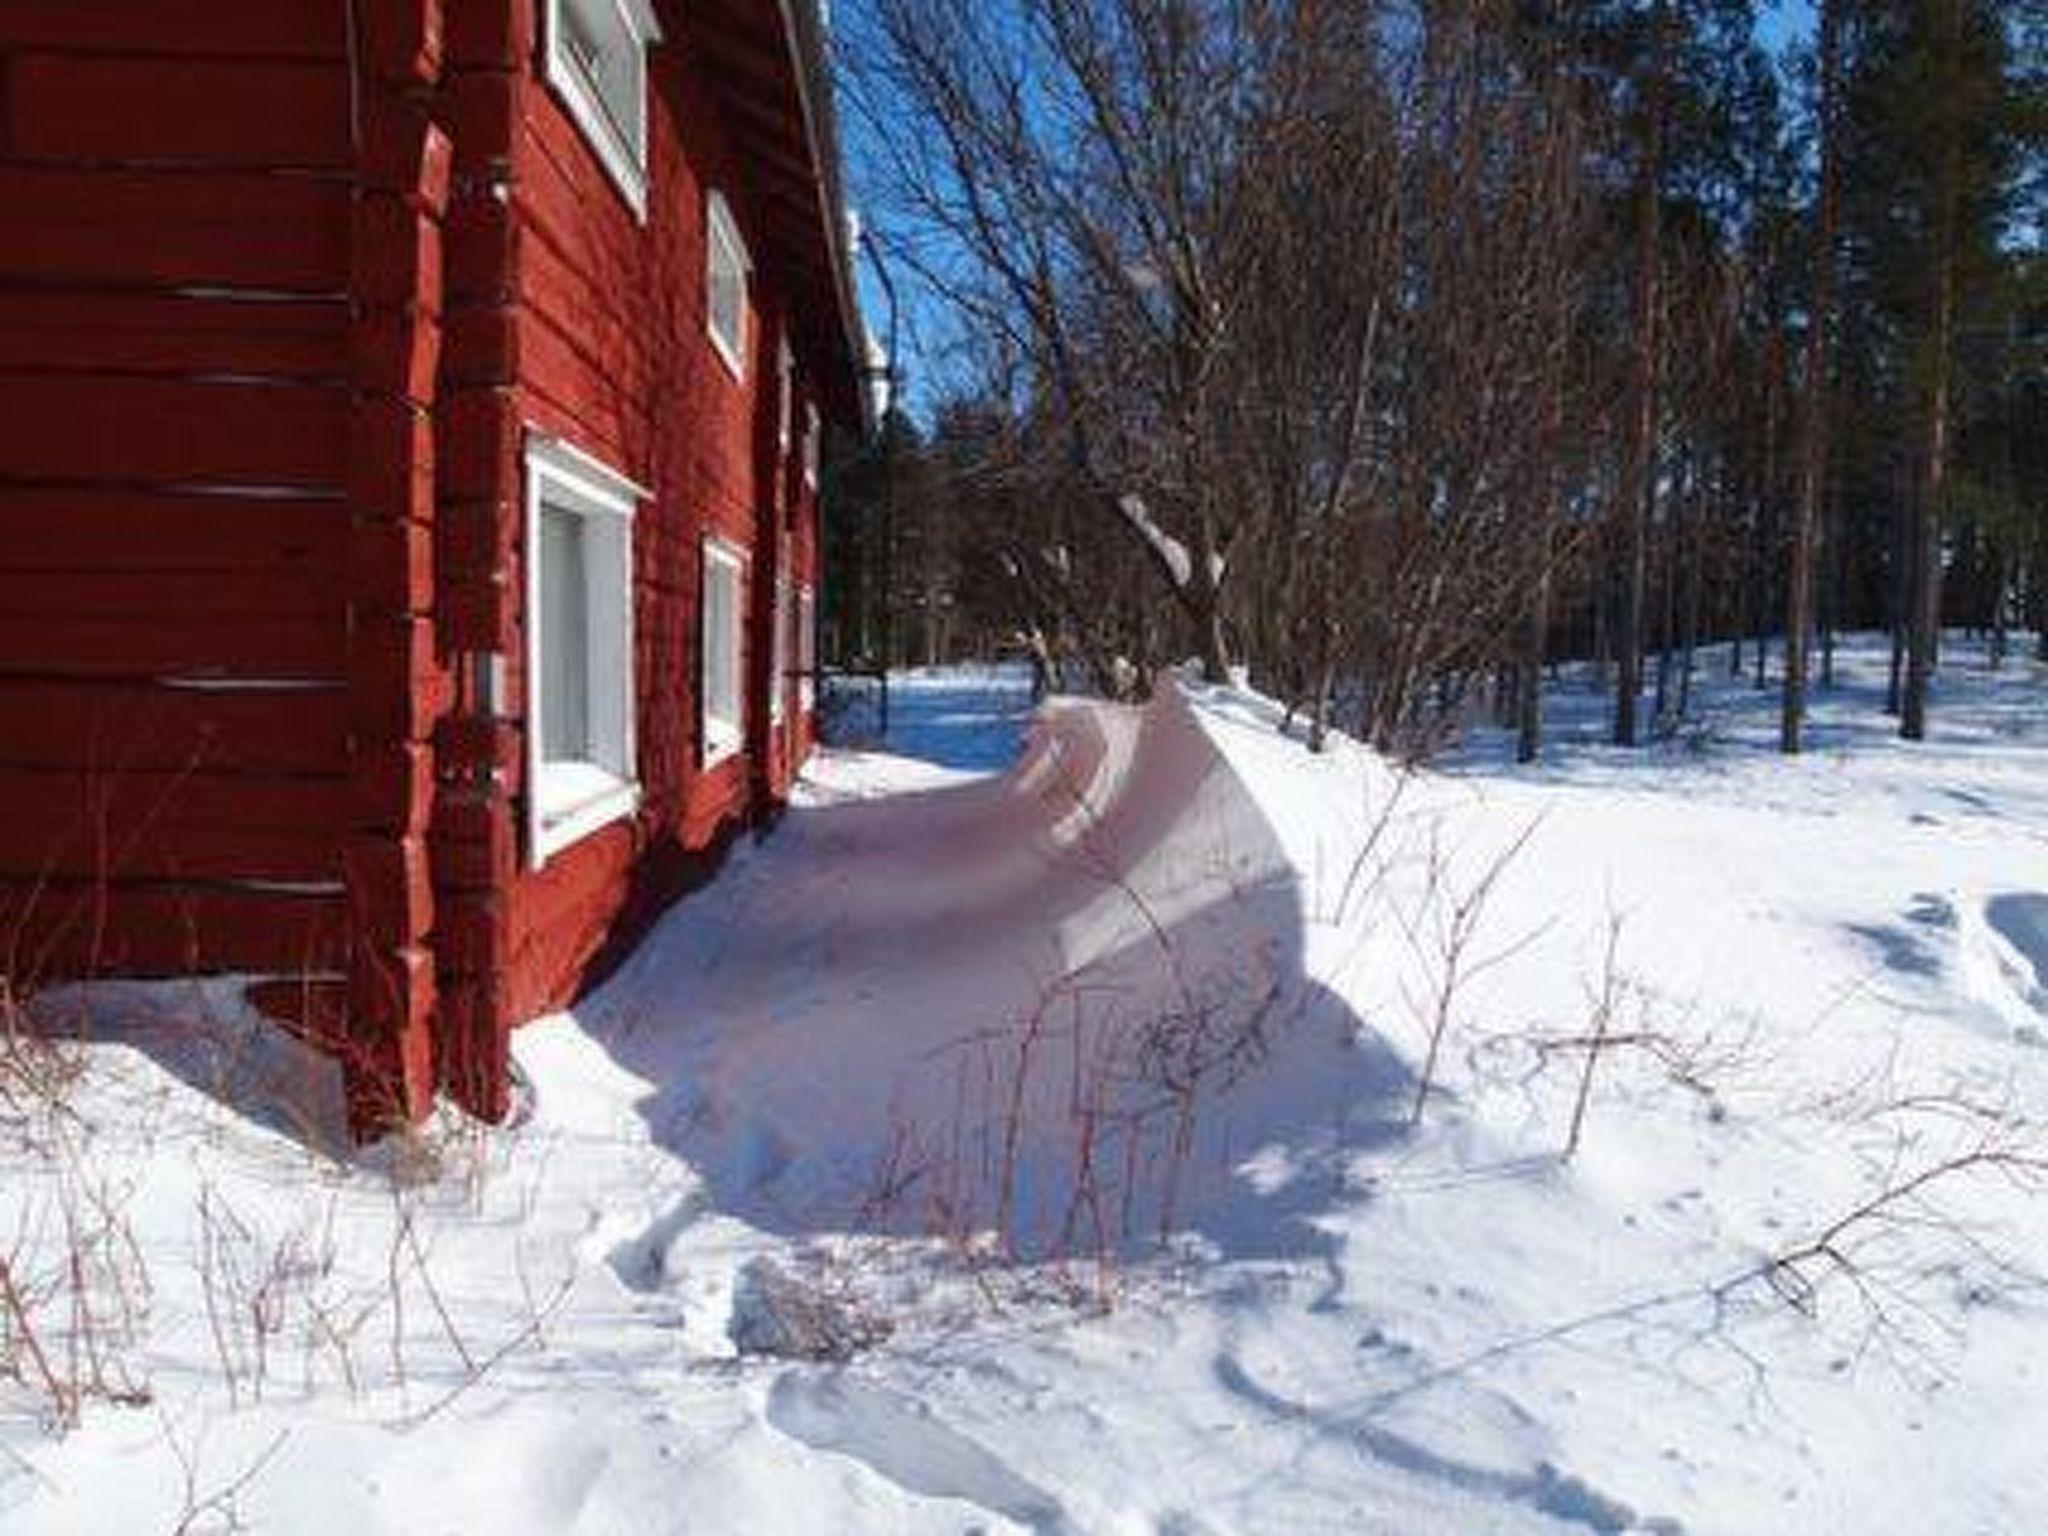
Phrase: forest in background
(1395, 351)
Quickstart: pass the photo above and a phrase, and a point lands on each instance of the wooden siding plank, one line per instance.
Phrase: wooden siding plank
(130, 825)
(144, 646)
(285, 29)
(229, 113)
(185, 345)
(173, 228)
(162, 431)
(290, 594)
(49, 529)
(55, 928)
(81, 726)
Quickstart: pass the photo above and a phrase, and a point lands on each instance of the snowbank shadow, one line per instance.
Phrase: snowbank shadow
(2022, 921)
(203, 1032)
(1066, 1007)
(1918, 946)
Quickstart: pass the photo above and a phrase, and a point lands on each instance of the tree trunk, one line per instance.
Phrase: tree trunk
(1813, 421)
(1529, 675)
(2037, 582)
(1923, 633)
(1763, 553)
(1691, 638)
(1834, 557)
(1674, 545)
(1215, 649)
(1668, 623)
(1998, 584)
(1639, 481)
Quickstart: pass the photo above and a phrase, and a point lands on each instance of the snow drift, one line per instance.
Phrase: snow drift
(1054, 1004)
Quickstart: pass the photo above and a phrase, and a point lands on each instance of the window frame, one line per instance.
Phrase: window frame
(583, 802)
(721, 738)
(785, 407)
(814, 444)
(806, 647)
(782, 650)
(722, 236)
(625, 161)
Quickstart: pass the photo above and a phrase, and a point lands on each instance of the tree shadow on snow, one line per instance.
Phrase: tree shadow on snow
(1981, 715)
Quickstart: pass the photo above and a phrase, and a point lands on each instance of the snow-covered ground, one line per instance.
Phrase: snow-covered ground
(923, 1078)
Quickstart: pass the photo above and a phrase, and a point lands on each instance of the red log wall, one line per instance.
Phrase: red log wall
(175, 252)
(570, 316)
(278, 299)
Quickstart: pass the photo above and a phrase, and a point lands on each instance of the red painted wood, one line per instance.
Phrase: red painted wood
(129, 826)
(391, 567)
(165, 431)
(387, 1052)
(390, 889)
(480, 346)
(491, 282)
(170, 338)
(397, 254)
(45, 529)
(290, 29)
(287, 594)
(402, 40)
(85, 727)
(142, 646)
(494, 36)
(216, 112)
(165, 227)
(391, 788)
(613, 350)
(59, 928)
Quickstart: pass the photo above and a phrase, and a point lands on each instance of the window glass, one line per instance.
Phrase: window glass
(785, 407)
(806, 646)
(785, 623)
(565, 638)
(597, 59)
(723, 720)
(727, 259)
(579, 645)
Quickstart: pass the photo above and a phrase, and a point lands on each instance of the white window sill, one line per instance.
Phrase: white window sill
(722, 743)
(576, 799)
(728, 354)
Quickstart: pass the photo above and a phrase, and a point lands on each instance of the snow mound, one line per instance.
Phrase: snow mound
(1064, 1009)
(2005, 960)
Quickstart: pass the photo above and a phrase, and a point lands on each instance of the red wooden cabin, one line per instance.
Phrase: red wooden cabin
(409, 425)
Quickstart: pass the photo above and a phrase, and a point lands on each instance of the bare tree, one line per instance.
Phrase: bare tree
(1813, 422)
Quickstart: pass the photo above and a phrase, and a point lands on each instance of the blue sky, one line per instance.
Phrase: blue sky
(1786, 21)
(1780, 23)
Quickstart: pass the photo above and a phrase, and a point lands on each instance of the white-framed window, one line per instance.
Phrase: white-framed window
(596, 53)
(726, 268)
(722, 614)
(785, 400)
(806, 647)
(785, 625)
(814, 432)
(579, 646)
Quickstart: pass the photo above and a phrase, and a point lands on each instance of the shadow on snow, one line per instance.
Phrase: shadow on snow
(1066, 1006)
